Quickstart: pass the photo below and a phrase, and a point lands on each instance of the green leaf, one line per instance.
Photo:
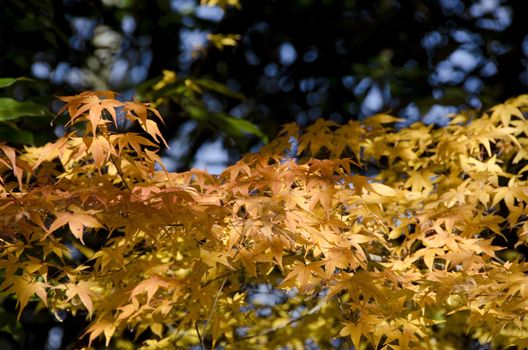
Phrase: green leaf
(5, 82)
(239, 127)
(198, 113)
(10, 325)
(18, 136)
(218, 87)
(12, 109)
(230, 125)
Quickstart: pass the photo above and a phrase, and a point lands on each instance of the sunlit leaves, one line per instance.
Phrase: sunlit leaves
(24, 287)
(223, 40)
(221, 3)
(402, 239)
(83, 291)
(76, 223)
(504, 112)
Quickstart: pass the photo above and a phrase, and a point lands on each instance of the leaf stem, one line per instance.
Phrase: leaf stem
(212, 310)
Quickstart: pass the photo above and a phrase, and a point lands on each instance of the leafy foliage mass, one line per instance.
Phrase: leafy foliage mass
(397, 238)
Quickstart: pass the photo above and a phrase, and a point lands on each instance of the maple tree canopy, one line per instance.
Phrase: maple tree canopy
(406, 238)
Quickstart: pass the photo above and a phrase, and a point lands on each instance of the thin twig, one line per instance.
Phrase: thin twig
(217, 296)
(202, 346)
(310, 312)
(15, 198)
(120, 173)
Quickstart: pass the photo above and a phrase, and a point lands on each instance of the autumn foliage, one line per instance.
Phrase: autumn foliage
(390, 238)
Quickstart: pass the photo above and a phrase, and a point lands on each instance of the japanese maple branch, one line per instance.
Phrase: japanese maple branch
(120, 173)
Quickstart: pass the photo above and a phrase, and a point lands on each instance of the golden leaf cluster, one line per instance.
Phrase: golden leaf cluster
(406, 238)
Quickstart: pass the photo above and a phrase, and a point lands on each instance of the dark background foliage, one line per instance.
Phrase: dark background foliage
(297, 60)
